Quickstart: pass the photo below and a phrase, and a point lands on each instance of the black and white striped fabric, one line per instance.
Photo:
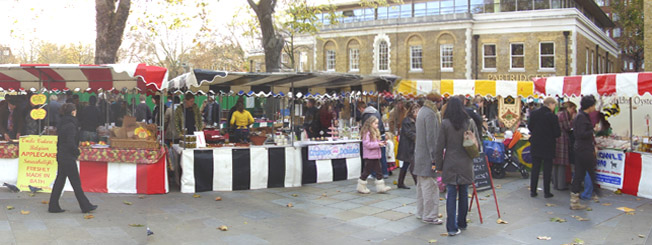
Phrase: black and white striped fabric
(227, 169)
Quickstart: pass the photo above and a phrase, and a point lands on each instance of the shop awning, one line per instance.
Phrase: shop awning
(467, 87)
(84, 77)
(622, 84)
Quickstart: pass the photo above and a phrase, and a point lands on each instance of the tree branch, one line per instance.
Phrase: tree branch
(253, 5)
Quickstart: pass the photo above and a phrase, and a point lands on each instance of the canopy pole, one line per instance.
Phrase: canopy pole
(631, 126)
(40, 132)
(292, 131)
(183, 120)
(161, 112)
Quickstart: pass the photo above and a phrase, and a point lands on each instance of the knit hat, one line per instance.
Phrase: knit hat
(587, 101)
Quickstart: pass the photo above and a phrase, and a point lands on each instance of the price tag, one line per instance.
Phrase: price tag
(646, 140)
(201, 140)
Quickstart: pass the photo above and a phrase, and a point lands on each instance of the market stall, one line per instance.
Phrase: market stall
(281, 157)
(624, 158)
(114, 168)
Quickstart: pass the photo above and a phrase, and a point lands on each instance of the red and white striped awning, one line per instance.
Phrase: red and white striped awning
(622, 84)
(84, 77)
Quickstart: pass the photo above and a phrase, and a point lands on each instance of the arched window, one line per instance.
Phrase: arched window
(382, 54)
(354, 56)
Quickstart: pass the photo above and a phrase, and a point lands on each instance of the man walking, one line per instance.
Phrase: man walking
(544, 128)
(427, 124)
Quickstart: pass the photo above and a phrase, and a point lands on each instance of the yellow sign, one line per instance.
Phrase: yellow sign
(38, 114)
(38, 99)
(37, 164)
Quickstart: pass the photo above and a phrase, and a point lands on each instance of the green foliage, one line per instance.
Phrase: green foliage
(630, 21)
(50, 53)
(378, 3)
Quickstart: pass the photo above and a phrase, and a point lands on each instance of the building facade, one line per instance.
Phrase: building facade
(463, 39)
(648, 35)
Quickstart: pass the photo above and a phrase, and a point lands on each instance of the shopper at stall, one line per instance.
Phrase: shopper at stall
(156, 112)
(427, 129)
(67, 153)
(544, 131)
(89, 119)
(561, 163)
(406, 146)
(396, 116)
(190, 121)
(241, 120)
(118, 110)
(143, 114)
(53, 108)
(211, 112)
(371, 151)
(12, 118)
(585, 158)
(366, 112)
(455, 164)
(171, 133)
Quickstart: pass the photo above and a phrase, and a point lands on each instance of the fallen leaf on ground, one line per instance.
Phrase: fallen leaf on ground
(89, 216)
(440, 215)
(470, 195)
(578, 241)
(196, 196)
(501, 221)
(324, 195)
(127, 203)
(443, 234)
(544, 238)
(626, 209)
(550, 212)
(24, 212)
(589, 209)
(469, 221)
(136, 225)
(141, 197)
(441, 199)
(618, 192)
(638, 199)
(482, 199)
(218, 199)
(579, 218)
(10, 207)
(395, 183)
(45, 202)
(558, 220)
(245, 222)
(404, 204)
(499, 186)
(488, 195)
(550, 205)
(641, 236)
(31, 194)
(432, 241)
(630, 213)
(338, 191)
(295, 195)
(606, 204)
(289, 205)
(223, 228)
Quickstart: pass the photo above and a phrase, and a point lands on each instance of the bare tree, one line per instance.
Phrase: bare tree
(272, 41)
(110, 23)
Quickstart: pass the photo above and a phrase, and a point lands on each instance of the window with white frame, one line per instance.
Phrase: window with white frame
(446, 54)
(489, 56)
(547, 55)
(330, 60)
(517, 53)
(383, 56)
(416, 58)
(354, 59)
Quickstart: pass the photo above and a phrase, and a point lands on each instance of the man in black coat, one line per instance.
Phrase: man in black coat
(584, 150)
(544, 128)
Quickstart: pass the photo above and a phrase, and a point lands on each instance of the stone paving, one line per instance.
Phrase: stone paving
(328, 213)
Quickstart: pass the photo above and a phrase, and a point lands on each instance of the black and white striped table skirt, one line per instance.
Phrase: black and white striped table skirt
(227, 169)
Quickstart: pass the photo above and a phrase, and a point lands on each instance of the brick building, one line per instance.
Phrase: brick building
(648, 35)
(463, 39)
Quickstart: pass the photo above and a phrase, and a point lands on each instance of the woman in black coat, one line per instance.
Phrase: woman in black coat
(67, 153)
(406, 145)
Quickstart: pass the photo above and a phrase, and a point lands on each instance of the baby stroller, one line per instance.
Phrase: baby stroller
(503, 158)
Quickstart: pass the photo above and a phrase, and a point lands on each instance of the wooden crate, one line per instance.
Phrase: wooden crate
(134, 144)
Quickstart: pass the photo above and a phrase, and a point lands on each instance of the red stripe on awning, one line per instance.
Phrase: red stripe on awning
(99, 78)
(93, 176)
(632, 176)
(572, 86)
(644, 83)
(540, 85)
(7, 82)
(46, 74)
(606, 84)
(153, 75)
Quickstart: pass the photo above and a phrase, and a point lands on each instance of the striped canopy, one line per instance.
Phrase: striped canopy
(467, 87)
(84, 77)
(622, 84)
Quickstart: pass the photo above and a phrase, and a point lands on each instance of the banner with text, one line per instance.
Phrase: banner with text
(37, 164)
(333, 151)
(610, 169)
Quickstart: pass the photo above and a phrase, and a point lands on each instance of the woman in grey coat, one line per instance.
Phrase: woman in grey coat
(456, 165)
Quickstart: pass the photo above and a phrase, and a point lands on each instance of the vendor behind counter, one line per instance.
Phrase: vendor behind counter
(241, 120)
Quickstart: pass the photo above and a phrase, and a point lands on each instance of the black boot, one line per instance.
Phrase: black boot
(401, 180)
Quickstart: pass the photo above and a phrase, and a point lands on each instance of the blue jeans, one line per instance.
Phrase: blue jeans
(456, 218)
(588, 188)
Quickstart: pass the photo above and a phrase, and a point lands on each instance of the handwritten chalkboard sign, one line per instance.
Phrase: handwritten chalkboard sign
(481, 171)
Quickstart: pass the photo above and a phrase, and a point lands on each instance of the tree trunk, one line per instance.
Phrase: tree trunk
(272, 41)
(110, 25)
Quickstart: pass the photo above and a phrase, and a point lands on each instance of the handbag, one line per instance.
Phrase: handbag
(470, 142)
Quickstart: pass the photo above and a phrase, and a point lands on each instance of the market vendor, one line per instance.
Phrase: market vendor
(310, 120)
(241, 120)
(12, 118)
(192, 116)
(327, 118)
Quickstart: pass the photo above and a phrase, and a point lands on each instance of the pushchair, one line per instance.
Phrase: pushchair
(503, 158)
